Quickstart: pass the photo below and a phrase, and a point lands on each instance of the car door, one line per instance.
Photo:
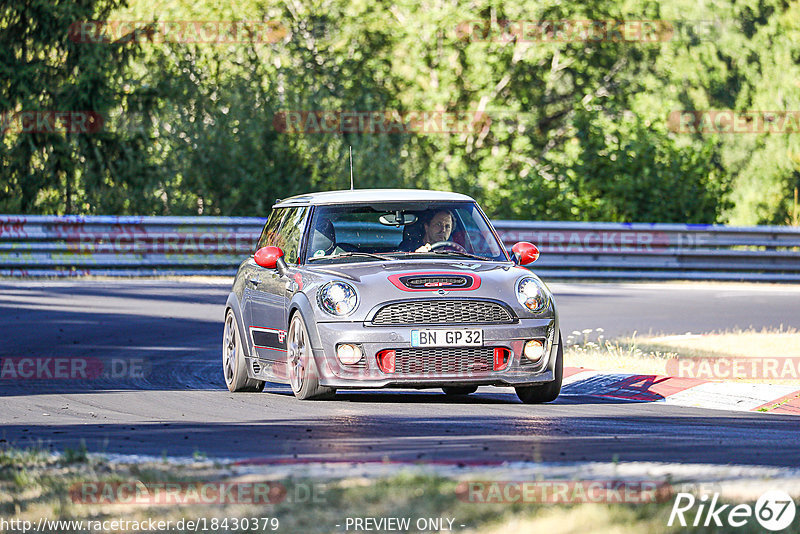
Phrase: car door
(267, 292)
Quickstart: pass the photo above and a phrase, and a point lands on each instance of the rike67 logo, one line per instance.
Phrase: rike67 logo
(774, 510)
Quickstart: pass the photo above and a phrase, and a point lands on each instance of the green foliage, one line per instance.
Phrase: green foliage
(628, 170)
(576, 130)
(79, 455)
(46, 71)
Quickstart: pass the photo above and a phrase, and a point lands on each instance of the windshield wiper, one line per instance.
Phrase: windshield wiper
(349, 255)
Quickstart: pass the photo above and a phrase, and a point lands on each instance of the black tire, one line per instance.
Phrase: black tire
(301, 367)
(549, 391)
(234, 365)
(459, 390)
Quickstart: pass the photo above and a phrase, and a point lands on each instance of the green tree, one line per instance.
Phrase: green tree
(44, 70)
(576, 129)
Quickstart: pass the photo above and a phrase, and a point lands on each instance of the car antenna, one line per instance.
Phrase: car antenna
(351, 167)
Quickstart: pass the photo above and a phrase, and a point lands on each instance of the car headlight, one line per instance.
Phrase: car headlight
(532, 294)
(338, 298)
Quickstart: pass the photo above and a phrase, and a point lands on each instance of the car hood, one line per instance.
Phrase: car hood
(373, 271)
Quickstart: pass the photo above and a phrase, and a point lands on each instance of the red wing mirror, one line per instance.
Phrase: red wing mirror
(268, 257)
(525, 252)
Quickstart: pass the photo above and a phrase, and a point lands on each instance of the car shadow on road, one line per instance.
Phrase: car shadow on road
(436, 396)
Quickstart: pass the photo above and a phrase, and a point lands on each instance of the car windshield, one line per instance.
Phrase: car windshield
(371, 232)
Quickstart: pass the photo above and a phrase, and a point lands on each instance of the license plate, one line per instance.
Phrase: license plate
(461, 337)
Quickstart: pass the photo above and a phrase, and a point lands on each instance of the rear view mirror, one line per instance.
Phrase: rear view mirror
(268, 257)
(398, 218)
(525, 252)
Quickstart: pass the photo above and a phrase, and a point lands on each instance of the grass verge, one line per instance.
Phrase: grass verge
(37, 484)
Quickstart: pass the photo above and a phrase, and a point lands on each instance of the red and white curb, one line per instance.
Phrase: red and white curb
(770, 398)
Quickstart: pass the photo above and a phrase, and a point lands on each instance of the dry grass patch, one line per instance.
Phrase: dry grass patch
(741, 343)
(652, 354)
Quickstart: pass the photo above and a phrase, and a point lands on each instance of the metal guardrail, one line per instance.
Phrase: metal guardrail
(660, 251)
(155, 246)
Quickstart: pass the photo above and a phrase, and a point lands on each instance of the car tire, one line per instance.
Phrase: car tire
(549, 391)
(301, 366)
(234, 366)
(459, 390)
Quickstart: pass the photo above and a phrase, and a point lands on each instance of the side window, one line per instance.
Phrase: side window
(291, 232)
(284, 229)
(269, 234)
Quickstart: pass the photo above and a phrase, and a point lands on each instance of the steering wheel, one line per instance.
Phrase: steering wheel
(449, 244)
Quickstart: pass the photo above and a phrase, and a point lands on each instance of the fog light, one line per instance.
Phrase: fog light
(501, 357)
(386, 360)
(534, 350)
(348, 354)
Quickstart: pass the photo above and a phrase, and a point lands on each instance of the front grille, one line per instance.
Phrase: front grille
(442, 312)
(444, 360)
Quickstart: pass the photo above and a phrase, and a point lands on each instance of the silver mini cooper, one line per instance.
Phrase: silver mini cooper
(389, 288)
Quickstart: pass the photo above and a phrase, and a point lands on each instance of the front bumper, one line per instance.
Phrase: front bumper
(367, 374)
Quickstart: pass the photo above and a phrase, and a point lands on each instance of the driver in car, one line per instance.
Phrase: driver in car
(438, 228)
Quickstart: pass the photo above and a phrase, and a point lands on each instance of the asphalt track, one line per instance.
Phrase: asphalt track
(178, 404)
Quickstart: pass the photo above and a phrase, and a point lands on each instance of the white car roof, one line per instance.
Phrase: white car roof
(371, 196)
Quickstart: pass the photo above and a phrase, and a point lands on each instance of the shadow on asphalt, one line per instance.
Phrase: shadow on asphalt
(158, 290)
(46, 351)
(434, 397)
(544, 437)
